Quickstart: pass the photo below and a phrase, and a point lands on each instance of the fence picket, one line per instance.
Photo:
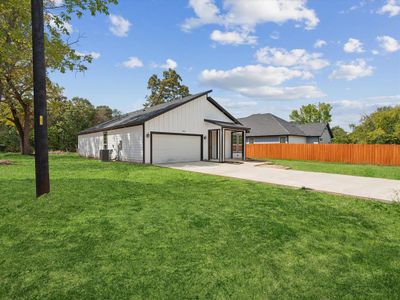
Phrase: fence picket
(346, 153)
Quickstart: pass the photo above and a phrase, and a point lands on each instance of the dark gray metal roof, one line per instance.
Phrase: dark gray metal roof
(228, 125)
(142, 115)
(271, 125)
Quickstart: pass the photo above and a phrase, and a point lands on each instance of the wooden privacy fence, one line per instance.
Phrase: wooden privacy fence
(346, 153)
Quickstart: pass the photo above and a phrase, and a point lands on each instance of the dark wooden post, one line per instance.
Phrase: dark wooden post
(40, 104)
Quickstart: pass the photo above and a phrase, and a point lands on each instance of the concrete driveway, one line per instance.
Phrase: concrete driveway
(366, 187)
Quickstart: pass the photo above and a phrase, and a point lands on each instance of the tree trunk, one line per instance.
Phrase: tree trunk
(25, 144)
(26, 147)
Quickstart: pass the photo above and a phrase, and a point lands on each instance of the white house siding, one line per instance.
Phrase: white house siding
(187, 118)
(297, 139)
(89, 145)
(132, 143)
(228, 143)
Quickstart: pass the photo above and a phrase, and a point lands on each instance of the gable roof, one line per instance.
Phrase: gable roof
(140, 116)
(314, 129)
(271, 125)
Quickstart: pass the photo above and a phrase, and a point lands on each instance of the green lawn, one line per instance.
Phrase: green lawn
(339, 168)
(116, 230)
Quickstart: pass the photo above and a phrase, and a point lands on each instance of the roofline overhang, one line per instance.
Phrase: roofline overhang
(88, 131)
(228, 126)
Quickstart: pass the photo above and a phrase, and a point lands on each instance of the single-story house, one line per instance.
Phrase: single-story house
(192, 128)
(270, 129)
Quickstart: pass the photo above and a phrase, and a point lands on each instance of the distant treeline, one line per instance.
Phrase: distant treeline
(66, 118)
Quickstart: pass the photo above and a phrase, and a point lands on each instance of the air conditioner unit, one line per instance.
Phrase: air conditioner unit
(105, 155)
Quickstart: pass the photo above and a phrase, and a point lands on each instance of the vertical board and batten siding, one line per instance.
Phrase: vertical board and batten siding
(187, 118)
(89, 145)
(132, 143)
(228, 143)
(344, 153)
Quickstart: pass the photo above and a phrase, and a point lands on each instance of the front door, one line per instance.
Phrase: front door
(213, 137)
(237, 145)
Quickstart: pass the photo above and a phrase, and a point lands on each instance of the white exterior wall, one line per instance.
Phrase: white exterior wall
(89, 145)
(297, 139)
(187, 118)
(228, 143)
(132, 143)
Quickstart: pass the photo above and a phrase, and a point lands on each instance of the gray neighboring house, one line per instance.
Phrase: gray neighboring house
(270, 129)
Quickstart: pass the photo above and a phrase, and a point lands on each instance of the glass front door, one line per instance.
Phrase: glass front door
(237, 145)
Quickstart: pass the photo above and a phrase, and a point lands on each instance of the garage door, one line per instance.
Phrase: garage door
(168, 148)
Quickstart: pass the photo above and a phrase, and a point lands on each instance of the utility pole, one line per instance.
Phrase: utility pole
(39, 99)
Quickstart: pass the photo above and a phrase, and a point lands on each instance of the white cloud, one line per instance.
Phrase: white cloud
(392, 7)
(132, 62)
(233, 37)
(296, 58)
(246, 14)
(283, 93)
(56, 2)
(169, 64)
(274, 35)
(350, 71)
(250, 75)
(353, 46)
(388, 43)
(119, 26)
(319, 43)
(347, 111)
(95, 55)
(260, 82)
(52, 23)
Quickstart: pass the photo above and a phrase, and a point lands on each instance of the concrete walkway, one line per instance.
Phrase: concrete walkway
(366, 187)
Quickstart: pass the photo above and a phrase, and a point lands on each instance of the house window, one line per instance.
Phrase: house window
(282, 140)
(251, 140)
(105, 140)
(321, 139)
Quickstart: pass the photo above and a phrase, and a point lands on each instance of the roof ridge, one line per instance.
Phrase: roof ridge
(140, 116)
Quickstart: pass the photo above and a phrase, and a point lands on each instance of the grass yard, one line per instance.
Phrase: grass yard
(116, 230)
(389, 172)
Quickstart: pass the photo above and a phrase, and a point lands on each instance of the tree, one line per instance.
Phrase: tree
(104, 113)
(166, 89)
(340, 136)
(312, 113)
(15, 55)
(380, 127)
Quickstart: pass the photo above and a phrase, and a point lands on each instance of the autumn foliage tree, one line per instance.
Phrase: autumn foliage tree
(16, 82)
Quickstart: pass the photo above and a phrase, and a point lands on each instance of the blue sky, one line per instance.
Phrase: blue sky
(256, 55)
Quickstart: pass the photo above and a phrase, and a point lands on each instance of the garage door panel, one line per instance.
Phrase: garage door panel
(169, 148)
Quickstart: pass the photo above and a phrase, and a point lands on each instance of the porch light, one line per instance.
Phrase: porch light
(147, 135)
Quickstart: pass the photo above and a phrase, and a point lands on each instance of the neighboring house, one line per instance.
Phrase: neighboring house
(192, 128)
(270, 129)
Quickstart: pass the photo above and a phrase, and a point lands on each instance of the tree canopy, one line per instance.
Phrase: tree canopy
(312, 113)
(379, 127)
(166, 89)
(16, 82)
